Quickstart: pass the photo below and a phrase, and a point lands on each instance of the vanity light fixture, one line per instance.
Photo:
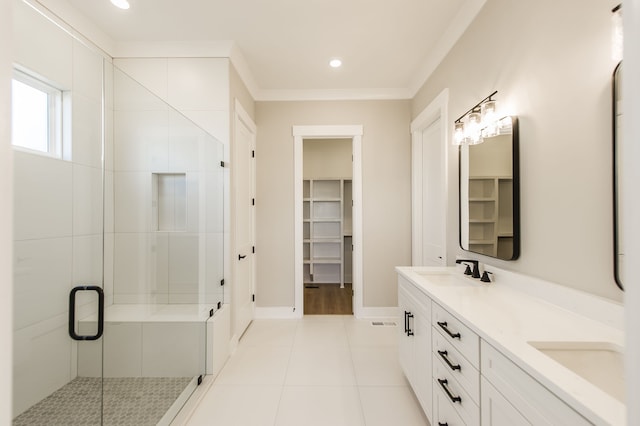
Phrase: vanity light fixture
(335, 63)
(122, 4)
(478, 123)
(617, 35)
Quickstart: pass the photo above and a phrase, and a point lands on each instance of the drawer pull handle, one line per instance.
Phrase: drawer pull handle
(443, 325)
(405, 322)
(444, 356)
(409, 330)
(443, 384)
(443, 424)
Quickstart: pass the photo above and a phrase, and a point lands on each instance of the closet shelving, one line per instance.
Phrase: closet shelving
(327, 225)
(490, 215)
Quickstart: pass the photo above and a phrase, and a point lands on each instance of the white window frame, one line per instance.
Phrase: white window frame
(54, 110)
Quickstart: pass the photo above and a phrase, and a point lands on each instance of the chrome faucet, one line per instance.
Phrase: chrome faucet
(476, 270)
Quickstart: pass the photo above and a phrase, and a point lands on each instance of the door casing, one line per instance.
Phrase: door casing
(300, 133)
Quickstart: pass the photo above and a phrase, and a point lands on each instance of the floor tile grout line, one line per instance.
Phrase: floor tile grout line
(286, 373)
(353, 366)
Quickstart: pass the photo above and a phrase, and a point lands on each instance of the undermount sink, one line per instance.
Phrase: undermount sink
(446, 277)
(600, 363)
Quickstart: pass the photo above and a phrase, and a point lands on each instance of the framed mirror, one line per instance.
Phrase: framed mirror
(490, 194)
(618, 222)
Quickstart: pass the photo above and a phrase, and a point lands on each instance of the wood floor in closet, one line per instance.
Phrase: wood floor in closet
(327, 299)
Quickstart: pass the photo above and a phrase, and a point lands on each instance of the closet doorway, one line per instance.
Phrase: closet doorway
(328, 191)
(327, 226)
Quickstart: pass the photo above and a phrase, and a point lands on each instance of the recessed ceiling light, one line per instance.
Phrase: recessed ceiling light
(122, 4)
(335, 63)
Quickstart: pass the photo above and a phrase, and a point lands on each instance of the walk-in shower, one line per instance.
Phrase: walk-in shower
(118, 260)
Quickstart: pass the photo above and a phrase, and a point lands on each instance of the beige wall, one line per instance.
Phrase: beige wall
(551, 63)
(327, 158)
(386, 193)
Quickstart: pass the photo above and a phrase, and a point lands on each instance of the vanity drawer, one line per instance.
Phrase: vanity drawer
(457, 334)
(461, 368)
(461, 401)
(534, 401)
(443, 411)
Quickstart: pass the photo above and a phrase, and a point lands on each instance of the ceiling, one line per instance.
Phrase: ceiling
(388, 47)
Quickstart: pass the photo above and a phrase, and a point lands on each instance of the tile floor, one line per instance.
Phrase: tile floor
(320, 370)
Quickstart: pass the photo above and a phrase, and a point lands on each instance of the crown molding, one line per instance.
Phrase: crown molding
(333, 94)
(174, 49)
(244, 70)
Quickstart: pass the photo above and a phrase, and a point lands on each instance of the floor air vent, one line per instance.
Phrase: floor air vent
(384, 323)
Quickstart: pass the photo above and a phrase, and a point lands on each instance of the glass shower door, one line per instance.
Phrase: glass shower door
(58, 247)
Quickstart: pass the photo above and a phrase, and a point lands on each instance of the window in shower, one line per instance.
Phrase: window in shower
(36, 111)
(170, 201)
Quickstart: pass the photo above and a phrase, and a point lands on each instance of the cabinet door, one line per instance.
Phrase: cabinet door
(405, 343)
(496, 410)
(421, 327)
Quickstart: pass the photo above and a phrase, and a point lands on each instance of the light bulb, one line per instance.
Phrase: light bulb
(335, 63)
(488, 111)
(617, 34)
(473, 129)
(458, 133)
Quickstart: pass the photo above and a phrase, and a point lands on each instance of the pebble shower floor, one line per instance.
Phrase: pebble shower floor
(129, 401)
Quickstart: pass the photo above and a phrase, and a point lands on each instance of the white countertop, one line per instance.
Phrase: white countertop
(508, 318)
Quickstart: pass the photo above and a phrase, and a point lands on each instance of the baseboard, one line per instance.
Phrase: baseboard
(378, 312)
(286, 312)
(277, 312)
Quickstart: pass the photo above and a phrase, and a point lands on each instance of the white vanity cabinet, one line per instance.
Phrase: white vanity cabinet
(480, 357)
(511, 397)
(415, 341)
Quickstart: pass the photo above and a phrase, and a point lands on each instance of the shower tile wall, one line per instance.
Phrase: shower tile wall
(58, 210)
(159, 266)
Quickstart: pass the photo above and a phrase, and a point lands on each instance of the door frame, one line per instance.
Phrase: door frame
(437, 109)
(300, 133)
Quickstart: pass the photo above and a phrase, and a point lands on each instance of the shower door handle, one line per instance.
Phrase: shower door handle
(72, 312)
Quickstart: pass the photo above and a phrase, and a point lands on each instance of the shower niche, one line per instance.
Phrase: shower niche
(169, 201)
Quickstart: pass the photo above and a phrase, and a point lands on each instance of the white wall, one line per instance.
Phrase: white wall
(197, 87)
(386, 193)
(153, 263)
(6, 215)
(58, 210)
(551, 64)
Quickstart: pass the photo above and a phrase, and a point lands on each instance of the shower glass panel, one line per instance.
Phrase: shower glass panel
(134, 217)
(167, 256)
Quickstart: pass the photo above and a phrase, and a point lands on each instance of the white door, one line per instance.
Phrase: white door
(245, 222)
(432, 199)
